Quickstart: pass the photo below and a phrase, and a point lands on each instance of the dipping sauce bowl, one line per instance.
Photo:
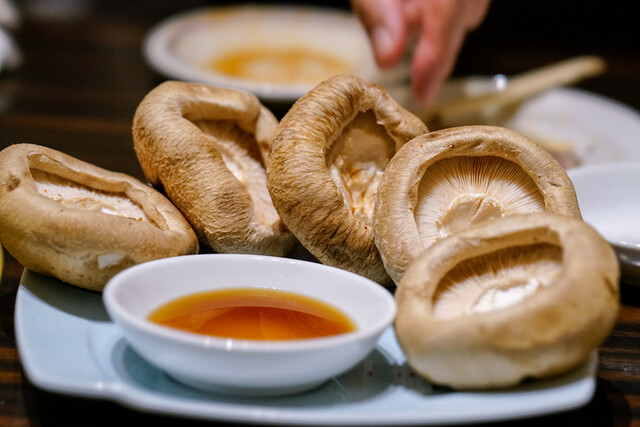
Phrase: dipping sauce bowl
(247, 366)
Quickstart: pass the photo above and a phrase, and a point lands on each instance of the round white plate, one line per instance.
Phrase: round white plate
(276, 52)
(595, 129)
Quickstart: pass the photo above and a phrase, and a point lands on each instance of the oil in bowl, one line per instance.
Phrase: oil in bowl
(253, 314)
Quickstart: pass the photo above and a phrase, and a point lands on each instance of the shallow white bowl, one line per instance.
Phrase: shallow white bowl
(246, 366)
(182, 46)
(609, 199)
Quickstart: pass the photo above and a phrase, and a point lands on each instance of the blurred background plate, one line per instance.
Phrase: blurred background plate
(580, 128)
(609, 199)
(276, 52)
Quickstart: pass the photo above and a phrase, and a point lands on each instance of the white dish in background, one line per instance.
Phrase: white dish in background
(578, 127)
(245, 366)
(287, 50)
(596, 129)
(68, 345)
(609, 199)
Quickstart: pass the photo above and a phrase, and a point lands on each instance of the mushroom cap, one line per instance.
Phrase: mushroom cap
(66, 218)
(207, 147)
(326, 160)
(445, 181)
(522, 296)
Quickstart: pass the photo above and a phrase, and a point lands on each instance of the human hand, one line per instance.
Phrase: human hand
(10, 56)
(440, 27)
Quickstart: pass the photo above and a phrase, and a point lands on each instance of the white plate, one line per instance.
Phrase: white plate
(597, 129)
(578, 127)
(68, 345)
(311, 43)
(609, 199)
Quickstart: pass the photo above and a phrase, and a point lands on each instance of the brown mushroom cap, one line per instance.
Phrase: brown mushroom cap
(207, 147)
(521, 296)
(326, 161)
(66, 218)
(445, 181)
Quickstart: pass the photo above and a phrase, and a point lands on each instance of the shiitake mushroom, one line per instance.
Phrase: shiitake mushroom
(327, 157)
(66, 218)
(523, 296)
(206, 148)
(445, 181)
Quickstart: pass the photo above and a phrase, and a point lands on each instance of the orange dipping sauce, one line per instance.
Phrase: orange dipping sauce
(253, 313)
(279, 65)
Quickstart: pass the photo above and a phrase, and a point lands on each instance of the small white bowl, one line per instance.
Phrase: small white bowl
(238, 366)
(609, 199)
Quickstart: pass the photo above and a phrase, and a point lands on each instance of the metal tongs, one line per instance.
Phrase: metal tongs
(490, 101)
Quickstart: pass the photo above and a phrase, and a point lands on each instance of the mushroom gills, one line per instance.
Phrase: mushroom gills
(496, 280)
(357, 159)
(241, 155)
(458, 192)
(78, 196)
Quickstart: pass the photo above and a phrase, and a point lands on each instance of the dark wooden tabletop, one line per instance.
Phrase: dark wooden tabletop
(83, 75)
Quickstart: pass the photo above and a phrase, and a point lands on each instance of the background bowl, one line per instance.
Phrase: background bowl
(276, 52)
(609, 199)
(239, 366)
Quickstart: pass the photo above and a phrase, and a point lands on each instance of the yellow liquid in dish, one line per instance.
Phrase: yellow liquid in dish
(279, 65)
(253, 313)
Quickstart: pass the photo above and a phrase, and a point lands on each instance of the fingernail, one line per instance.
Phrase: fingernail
(383, 42)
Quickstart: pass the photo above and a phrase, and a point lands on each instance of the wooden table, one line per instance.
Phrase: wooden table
(83, 75)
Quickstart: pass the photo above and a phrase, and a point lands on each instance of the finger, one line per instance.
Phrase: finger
(476, 11)
(444, 26)
(383, 21)
(432, 63)
(432, 56)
